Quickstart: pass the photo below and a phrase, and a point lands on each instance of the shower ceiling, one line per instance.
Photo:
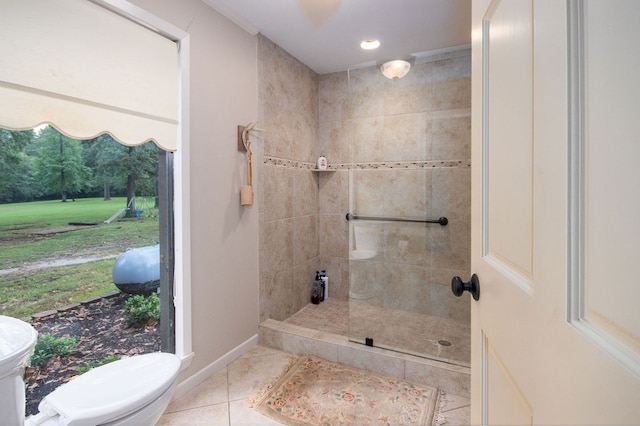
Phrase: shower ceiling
(326, 34)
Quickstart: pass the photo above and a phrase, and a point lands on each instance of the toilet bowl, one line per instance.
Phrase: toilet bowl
(133, 390)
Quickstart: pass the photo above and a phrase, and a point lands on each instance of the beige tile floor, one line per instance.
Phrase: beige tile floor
(223, 398)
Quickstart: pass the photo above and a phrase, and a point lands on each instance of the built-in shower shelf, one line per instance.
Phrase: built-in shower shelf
(323, 170)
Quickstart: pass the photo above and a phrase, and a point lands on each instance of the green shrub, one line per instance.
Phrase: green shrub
(48, 347)
(89, 365)
(139, 310)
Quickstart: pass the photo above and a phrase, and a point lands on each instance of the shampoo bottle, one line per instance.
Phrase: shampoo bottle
(325, 284)
(321, 164)
(316, 291)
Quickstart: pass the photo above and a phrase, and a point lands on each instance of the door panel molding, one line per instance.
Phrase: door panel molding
(500, 385)
(610, 335)
(506, 209)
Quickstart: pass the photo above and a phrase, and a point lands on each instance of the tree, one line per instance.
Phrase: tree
(58, 164)
(142, 172)
(16, 181)
(104, 156)
(124, 169)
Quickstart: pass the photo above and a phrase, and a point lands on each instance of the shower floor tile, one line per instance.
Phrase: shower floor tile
(330, 316)
(409, 332)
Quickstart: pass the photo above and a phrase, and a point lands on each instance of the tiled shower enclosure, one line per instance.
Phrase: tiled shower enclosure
(398, 149)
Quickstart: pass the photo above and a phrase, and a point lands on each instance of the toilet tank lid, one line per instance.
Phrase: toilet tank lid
(113, 390)
(16, 338)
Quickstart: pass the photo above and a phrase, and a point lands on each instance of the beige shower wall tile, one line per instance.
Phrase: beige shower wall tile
(366, 103)
(410, 94)
(305, 239)
(451, 192)
(407, 243)
(367, 195)
(277, 139)
(303, 277)
(334, 235)
(334, 192)
(407, 192)
(275, 294)
(298, 123)
(407, 137)
(451, 137)
(333, 141)
(276, 196)
(304, 131)
(276, 245)
(451, 245)
(366, 139)
(452, 94)
(333, 96)
(305, 192)
(289, 91)
(408, 99)
(366, 93)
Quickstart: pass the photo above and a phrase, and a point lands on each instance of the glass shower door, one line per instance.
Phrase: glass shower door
(389, 294)
(405, 170)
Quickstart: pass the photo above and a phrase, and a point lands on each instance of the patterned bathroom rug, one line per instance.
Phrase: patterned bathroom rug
(315, 391)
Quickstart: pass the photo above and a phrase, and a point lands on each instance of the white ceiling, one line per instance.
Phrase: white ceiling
(326, 34)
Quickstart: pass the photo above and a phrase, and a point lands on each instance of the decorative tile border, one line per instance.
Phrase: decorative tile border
(282, 162)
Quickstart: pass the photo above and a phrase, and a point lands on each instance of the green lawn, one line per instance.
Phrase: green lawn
(56, 213)
(26, 238)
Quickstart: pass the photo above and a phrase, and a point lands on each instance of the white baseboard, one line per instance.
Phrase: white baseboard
(194, 380)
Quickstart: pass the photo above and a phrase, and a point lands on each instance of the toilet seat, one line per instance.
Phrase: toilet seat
(112, 391)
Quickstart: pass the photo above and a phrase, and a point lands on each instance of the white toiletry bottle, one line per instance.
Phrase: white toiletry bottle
(322, 163)
(325, 281)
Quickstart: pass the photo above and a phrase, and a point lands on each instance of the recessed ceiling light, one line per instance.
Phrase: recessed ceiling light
(370, 44)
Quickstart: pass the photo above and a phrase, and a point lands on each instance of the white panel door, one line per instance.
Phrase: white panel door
(555, 222)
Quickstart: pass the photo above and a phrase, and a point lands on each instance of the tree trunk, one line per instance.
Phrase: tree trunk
(63, 190)
(107, 192)
(131, 186)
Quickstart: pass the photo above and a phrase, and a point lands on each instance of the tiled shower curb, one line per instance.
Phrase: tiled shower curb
(453, 379)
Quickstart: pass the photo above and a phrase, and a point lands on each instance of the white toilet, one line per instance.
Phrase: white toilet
(131, 391)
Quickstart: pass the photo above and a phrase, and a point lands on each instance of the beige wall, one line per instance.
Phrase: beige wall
(224, 236)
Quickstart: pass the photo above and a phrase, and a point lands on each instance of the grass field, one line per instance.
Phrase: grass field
(32, 233)
(56, 213)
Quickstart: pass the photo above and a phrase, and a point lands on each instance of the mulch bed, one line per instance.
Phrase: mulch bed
(100, 331)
